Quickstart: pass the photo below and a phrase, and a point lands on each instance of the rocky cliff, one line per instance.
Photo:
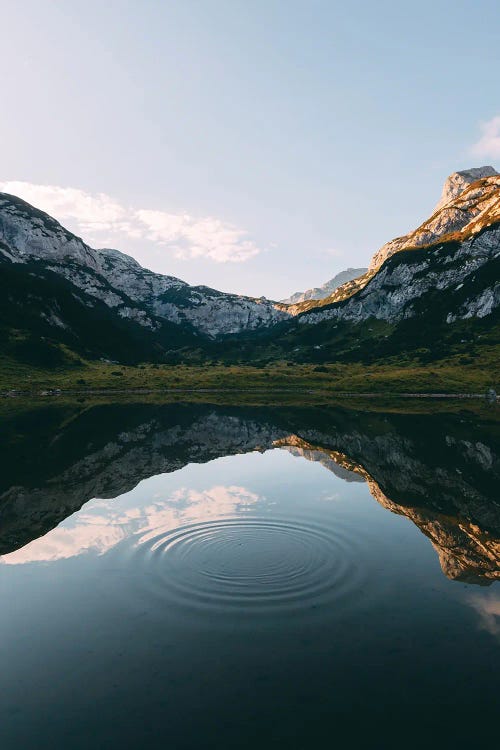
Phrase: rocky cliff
(457, 182)
(456, 253)
(122, 284)
(469, 204)
(466, 271)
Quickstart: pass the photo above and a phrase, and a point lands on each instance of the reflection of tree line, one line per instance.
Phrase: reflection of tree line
(440, 471)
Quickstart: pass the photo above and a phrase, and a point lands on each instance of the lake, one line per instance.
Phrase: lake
(192, 576)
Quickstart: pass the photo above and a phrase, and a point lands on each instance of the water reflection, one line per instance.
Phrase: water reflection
(101, 526)
(441, 472)
(487, 606)
(247, 577)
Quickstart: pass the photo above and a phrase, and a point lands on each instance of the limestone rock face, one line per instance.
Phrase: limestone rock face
(27, 234)
(465, 207)
(469, 204)
(459, 181)
(394, 291)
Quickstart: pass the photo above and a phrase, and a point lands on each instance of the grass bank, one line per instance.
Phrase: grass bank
(444, 377)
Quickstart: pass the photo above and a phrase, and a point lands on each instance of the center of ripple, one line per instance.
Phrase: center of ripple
(253, 556)
(258, 563)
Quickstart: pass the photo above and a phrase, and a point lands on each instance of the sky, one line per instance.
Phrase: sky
(255, 146)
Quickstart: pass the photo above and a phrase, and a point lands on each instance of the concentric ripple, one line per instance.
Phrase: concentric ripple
(252, 564)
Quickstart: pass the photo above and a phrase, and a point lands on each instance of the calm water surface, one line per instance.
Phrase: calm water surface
(191, 577)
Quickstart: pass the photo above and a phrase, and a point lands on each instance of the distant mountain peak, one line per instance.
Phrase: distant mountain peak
(320, 292)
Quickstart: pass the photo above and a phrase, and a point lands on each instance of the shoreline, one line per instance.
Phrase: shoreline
(56, 392)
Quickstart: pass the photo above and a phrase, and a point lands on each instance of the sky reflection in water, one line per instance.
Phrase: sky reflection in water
(253, 598)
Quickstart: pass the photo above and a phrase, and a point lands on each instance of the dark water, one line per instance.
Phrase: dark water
(198, 576)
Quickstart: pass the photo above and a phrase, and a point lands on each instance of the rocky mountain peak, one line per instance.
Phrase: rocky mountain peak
(476, 204)
(469, 203)
(457, 182)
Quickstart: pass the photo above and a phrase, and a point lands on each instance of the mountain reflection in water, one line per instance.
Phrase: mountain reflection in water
(194, 576)
(440, 471)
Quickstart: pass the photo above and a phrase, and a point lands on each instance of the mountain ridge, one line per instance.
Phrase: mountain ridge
(326, 289)
(58, 289)
(473, 206)
(113, 276)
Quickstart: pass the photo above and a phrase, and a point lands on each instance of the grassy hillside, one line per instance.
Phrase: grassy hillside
(450, 375)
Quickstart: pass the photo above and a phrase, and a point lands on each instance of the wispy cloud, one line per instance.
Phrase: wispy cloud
(488, 146)
(190, 237)
(100, 219)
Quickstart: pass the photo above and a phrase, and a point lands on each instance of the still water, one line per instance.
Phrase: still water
(200, 576)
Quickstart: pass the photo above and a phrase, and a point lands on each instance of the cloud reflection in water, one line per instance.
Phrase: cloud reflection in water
(102, 524)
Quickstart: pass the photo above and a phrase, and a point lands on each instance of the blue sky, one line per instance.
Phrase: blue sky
(257, 146)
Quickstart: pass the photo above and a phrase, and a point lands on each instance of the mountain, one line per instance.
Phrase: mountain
(28, 235)
(464, 273)
(434, 288)
(320, 292)
(470, 201)
(432, 291)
